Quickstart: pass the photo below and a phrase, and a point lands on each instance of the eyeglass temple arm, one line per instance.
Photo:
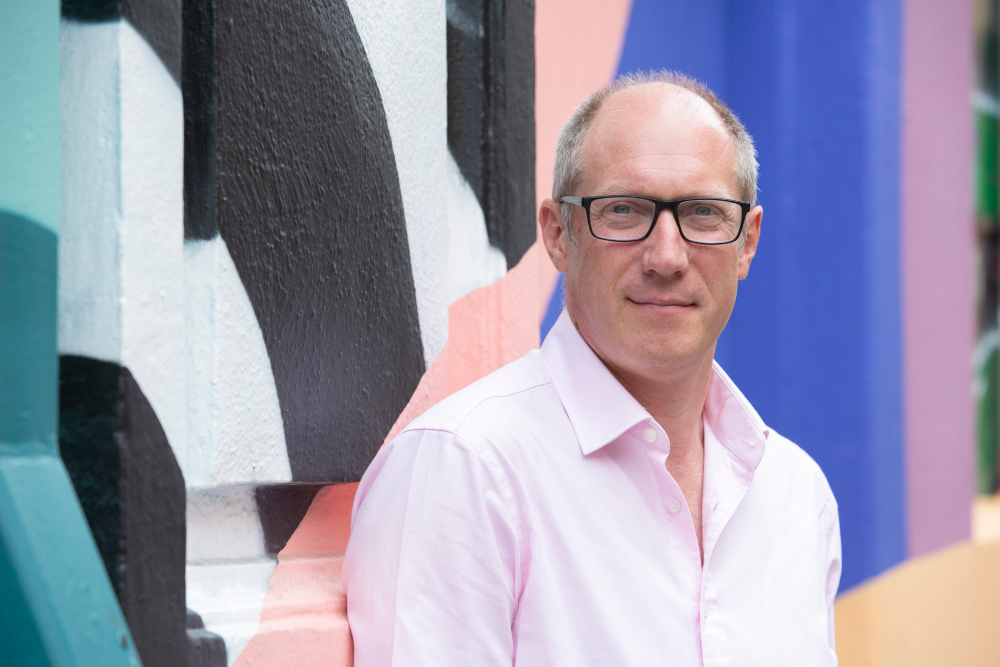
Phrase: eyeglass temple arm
(572, 200)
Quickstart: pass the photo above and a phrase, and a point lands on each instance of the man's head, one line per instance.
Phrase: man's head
(659, 304)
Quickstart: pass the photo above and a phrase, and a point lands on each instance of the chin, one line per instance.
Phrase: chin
(665, 350)
(656, 330)
(655, 319)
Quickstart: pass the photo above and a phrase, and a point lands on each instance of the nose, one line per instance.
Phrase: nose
(665, 251)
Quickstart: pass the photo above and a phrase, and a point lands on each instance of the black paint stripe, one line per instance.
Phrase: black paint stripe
(207, 649)
(132, 493)
(491, 114)
(467, 96)
(310, 208)
(280, 509)
(91, 11)
(88, 443)
(201, 163)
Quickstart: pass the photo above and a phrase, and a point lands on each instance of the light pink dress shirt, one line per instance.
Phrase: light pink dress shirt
(529, 520)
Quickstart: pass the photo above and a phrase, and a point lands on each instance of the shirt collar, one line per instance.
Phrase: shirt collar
(601, 409)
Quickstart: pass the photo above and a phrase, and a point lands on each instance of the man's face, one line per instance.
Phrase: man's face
(656, 305)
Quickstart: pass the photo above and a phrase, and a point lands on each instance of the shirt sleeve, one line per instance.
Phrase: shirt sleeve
(831, 522)
(431, 565)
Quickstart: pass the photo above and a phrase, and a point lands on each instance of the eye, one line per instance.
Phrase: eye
(621, 209)
(703, 210)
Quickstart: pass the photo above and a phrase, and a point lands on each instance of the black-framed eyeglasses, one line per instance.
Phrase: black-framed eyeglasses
(623, 218)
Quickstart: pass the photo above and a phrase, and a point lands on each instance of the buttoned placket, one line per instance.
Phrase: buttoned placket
(676, 512)
(727, 481)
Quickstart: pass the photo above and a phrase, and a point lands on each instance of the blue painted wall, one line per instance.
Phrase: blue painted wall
(814, 341)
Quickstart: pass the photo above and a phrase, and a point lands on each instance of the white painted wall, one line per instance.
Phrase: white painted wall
(227, 569)
(89, 315)
(131, 291)
(472, 261)
(152, 237)
(449, 248)
(235, 430)
(405, 44)
(121, 289)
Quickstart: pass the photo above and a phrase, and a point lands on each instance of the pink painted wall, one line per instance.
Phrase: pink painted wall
(303, 621)
(568, 67)
(938, 264)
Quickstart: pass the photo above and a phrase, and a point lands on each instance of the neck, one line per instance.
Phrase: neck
(675, 399)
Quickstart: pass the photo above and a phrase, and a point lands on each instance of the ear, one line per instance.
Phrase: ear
(554, 234)
(749, 249)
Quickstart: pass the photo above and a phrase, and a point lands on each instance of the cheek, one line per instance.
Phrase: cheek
(588, 269)
(720, 275)
(724, 285)
(592, 281)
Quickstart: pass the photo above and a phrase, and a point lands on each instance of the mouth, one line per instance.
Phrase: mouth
(666, 303)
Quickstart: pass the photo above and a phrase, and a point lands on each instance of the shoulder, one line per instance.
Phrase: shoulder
(487, 399)
(448, 456)
(788, 466)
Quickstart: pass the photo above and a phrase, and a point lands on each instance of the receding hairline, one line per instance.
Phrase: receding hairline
(568, 167)
(691, 98)
(667, 90)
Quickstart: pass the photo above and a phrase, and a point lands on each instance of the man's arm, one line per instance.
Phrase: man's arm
(430, 568)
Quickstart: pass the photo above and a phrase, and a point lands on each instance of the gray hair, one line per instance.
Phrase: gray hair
(569, 154)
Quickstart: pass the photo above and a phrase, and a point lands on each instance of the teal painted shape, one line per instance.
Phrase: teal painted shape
(21, 634)
(63, 610)
(29, 109)
(29, 367)
(57, 606)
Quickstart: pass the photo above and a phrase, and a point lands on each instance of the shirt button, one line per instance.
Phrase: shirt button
(705, 607)
(650, 435)
(673, 505)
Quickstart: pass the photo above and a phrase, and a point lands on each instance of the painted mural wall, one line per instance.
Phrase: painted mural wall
(286, 229)
(285, 225)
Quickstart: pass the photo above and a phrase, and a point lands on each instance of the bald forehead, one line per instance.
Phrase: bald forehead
(658, 103)
(656, 118)
(663, 94)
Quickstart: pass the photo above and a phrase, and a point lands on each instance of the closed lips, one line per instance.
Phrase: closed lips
(662, 302)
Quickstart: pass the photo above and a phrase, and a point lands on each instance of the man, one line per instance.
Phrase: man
(611, 499)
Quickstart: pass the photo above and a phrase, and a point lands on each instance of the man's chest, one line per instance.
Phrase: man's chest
(616, 577)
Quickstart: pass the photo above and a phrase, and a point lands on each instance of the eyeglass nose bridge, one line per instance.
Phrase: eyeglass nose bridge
(659, 208)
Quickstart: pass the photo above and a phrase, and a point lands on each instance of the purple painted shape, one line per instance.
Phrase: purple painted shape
(938, 270)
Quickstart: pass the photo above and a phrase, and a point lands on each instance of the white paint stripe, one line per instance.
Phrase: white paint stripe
(235, 430)
(227, 572)
(152, 233)
(472, 261)
(405, 44)
(89, 317)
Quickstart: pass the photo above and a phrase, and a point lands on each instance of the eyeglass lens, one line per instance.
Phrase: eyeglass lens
(701, 220)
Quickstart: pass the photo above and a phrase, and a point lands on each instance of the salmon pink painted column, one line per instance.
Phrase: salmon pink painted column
(577, 46)
(938, 264)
